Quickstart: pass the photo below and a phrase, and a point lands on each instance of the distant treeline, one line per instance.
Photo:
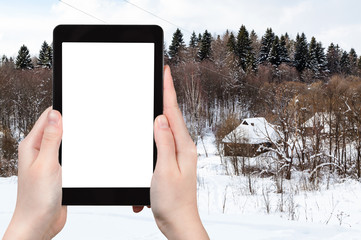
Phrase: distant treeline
(245, 52)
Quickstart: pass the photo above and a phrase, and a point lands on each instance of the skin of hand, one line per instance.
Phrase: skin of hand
(173, 189)
(38, 213)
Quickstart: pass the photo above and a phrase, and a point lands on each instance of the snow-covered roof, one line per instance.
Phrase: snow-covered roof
(320, 119)
(252, 131)
(1, 134)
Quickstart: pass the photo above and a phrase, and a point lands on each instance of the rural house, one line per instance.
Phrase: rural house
(319, 124)
(246, 140)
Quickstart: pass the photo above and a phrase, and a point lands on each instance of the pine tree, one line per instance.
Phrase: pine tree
(283, 52)
(321, 60)
(205, 49)
(274, 55)
(231, 43)
(353, 61)
(199, 38)
(333, 59)
(345, 63)
(23, 60)
(251, 63)
(266, 45)
(176, 47)
(312, 58)
(243, 48)
(194, 40)
(4, 59)
(193, 47)
(45, 56)
(255, 48)
(301, 53)
(317, 62)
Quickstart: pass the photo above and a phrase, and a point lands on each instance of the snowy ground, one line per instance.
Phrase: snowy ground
(227, 209)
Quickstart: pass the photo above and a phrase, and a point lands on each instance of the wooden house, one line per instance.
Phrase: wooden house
(249, 137)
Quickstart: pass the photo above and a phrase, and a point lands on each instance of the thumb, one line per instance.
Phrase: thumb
(165, 144)
(52, 136)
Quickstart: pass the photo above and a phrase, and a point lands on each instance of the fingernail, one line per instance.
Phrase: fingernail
(163, 122)
(53, 118)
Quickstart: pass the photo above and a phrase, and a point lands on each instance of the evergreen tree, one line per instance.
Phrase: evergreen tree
(353, 61)
(205, 49)
(231, 43)
(317, 62)
(301, 53)
(199, 38)
(286, 36)
(274, 55)
(193, 47)
(23, 60)
(176, 47)
(4, 59)
(283, 52)
(345, 63)
(45, 56)
(266, 45)
(194, 40)
(255, 46)
(321, 60)
(333, 59)
(312, 58)
(243, 48)
(251, 63)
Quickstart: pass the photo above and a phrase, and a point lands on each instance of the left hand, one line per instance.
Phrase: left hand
(38, 213)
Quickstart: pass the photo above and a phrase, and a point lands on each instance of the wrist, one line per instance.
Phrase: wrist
(182, 227)
(21, 229)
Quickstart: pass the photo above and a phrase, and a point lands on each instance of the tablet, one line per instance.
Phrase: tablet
(107, 84)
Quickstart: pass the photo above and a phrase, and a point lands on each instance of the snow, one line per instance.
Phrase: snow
(252, 131)
(227, 208)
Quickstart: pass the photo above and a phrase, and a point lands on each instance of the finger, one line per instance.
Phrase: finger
(50, 142)
(183, 142)
(137, 209)
(166, 159)
(29, 148)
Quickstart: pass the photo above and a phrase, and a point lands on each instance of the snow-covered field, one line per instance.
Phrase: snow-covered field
(227, 209)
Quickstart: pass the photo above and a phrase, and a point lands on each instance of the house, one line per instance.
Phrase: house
(320, 123)
(326, 124)
(249, 136)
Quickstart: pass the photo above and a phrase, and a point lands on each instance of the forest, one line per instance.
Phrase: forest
(221, 80)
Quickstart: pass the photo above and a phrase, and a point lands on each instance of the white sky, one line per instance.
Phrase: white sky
(31, 22)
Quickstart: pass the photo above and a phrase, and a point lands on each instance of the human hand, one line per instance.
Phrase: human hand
(38, 213)
(173, 191)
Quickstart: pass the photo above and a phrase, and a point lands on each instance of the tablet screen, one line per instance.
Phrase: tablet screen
(107, 109)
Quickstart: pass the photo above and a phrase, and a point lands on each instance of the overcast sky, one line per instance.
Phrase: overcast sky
(30, 22)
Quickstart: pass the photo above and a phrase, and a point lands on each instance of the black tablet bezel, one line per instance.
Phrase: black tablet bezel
(108, 33)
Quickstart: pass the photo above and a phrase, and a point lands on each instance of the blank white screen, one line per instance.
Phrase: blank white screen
(107, 114)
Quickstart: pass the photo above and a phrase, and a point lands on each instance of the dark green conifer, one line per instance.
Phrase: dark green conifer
(23, 60)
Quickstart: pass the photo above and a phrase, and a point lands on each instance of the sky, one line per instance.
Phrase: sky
(32, 22)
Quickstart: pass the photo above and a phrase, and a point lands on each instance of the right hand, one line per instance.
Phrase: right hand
(173, 191)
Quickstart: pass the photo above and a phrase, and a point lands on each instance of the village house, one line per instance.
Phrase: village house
(249, 137)
(326, 124)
